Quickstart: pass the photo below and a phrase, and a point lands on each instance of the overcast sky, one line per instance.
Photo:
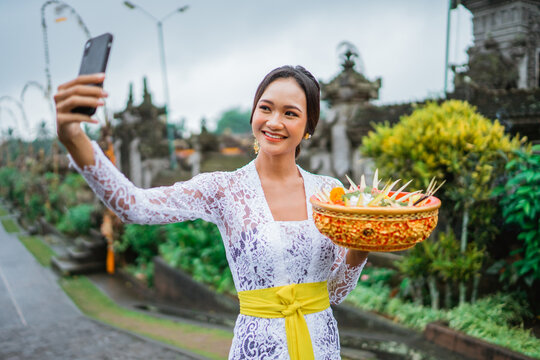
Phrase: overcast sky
(218, 51)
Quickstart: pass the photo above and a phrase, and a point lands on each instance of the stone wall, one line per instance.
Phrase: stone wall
(176, 285)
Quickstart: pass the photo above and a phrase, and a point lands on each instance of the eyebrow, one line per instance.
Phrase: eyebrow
(286, 106)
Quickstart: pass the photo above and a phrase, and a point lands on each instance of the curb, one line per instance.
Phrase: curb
(469, 346)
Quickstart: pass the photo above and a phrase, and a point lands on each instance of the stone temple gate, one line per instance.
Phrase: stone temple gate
(333, 147)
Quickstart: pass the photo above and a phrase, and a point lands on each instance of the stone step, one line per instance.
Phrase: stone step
(69, 267)
(90, 244)
(57, 244)
(355, 354)
(95, 233)
(81, 255)
(47, 228)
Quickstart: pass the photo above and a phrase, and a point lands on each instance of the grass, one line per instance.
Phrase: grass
(94, 303)
(38, 248)
(3, 212)
(10, 226)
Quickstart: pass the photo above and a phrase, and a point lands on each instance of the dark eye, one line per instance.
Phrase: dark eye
(264, 108)
(290, 113)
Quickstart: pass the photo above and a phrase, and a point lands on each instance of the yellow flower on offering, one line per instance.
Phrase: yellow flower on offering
(336, 195)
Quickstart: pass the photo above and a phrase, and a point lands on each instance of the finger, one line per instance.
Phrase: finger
(76, 100)
(66, 118)
(83, 90)
(84, 79)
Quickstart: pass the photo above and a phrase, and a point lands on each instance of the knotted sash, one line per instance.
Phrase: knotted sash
(291, 302)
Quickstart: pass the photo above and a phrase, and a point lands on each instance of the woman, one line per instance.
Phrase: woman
(285, 271)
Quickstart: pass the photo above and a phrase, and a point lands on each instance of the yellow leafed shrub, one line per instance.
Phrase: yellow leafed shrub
(450, 141)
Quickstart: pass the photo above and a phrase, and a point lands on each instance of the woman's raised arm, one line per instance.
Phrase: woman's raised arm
(201, 197)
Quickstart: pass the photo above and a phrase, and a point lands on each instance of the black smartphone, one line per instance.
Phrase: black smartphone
(94, 60)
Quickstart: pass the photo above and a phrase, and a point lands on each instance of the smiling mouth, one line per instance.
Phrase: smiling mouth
(273, 136)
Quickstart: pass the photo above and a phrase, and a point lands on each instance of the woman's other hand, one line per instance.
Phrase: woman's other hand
(356, 257)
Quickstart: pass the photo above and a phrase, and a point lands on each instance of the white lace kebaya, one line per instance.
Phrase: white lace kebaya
(261, 252)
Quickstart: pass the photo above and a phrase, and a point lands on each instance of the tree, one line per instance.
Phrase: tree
(521, 207)
(236, 120)
(449, 141)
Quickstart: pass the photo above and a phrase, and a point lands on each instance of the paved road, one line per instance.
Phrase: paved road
(39, 321)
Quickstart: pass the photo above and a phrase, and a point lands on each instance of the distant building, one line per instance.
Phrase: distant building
(515, 27)
(140, 134)
(502, 77)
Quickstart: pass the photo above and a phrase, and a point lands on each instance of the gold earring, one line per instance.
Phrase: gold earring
(307, 136)
(256, 146)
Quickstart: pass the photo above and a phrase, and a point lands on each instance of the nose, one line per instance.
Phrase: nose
(274, 121)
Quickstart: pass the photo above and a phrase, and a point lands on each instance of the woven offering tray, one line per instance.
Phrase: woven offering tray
(374, 228)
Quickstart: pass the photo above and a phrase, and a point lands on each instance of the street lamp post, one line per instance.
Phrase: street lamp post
(452, 4)
(159, 23)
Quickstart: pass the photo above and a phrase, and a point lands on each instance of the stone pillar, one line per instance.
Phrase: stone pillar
(362, 166)
(346, 94)
(195, 162)
(118, 153)
(522, 71)
(135, 162)
(320, 161)
(341, 146)
(146, 174)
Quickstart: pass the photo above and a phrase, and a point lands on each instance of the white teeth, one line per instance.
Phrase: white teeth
(273, 136)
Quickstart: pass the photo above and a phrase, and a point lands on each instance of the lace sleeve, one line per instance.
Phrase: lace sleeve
(343, 277)
(200, 197)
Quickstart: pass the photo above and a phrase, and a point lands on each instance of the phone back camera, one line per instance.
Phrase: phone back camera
(87, 47)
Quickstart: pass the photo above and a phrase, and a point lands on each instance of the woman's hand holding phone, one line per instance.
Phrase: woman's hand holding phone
(78, 92)
(77, 100)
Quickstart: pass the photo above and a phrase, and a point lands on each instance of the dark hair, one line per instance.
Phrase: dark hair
(307, 82)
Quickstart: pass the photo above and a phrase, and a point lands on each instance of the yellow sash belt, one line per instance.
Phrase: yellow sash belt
(291, 302)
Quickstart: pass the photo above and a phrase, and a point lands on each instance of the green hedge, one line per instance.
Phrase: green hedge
(496, 318)
(520, 200)
(193, 246)
(62, 201)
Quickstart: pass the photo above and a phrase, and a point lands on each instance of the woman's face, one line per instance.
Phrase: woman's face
(280, 117)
